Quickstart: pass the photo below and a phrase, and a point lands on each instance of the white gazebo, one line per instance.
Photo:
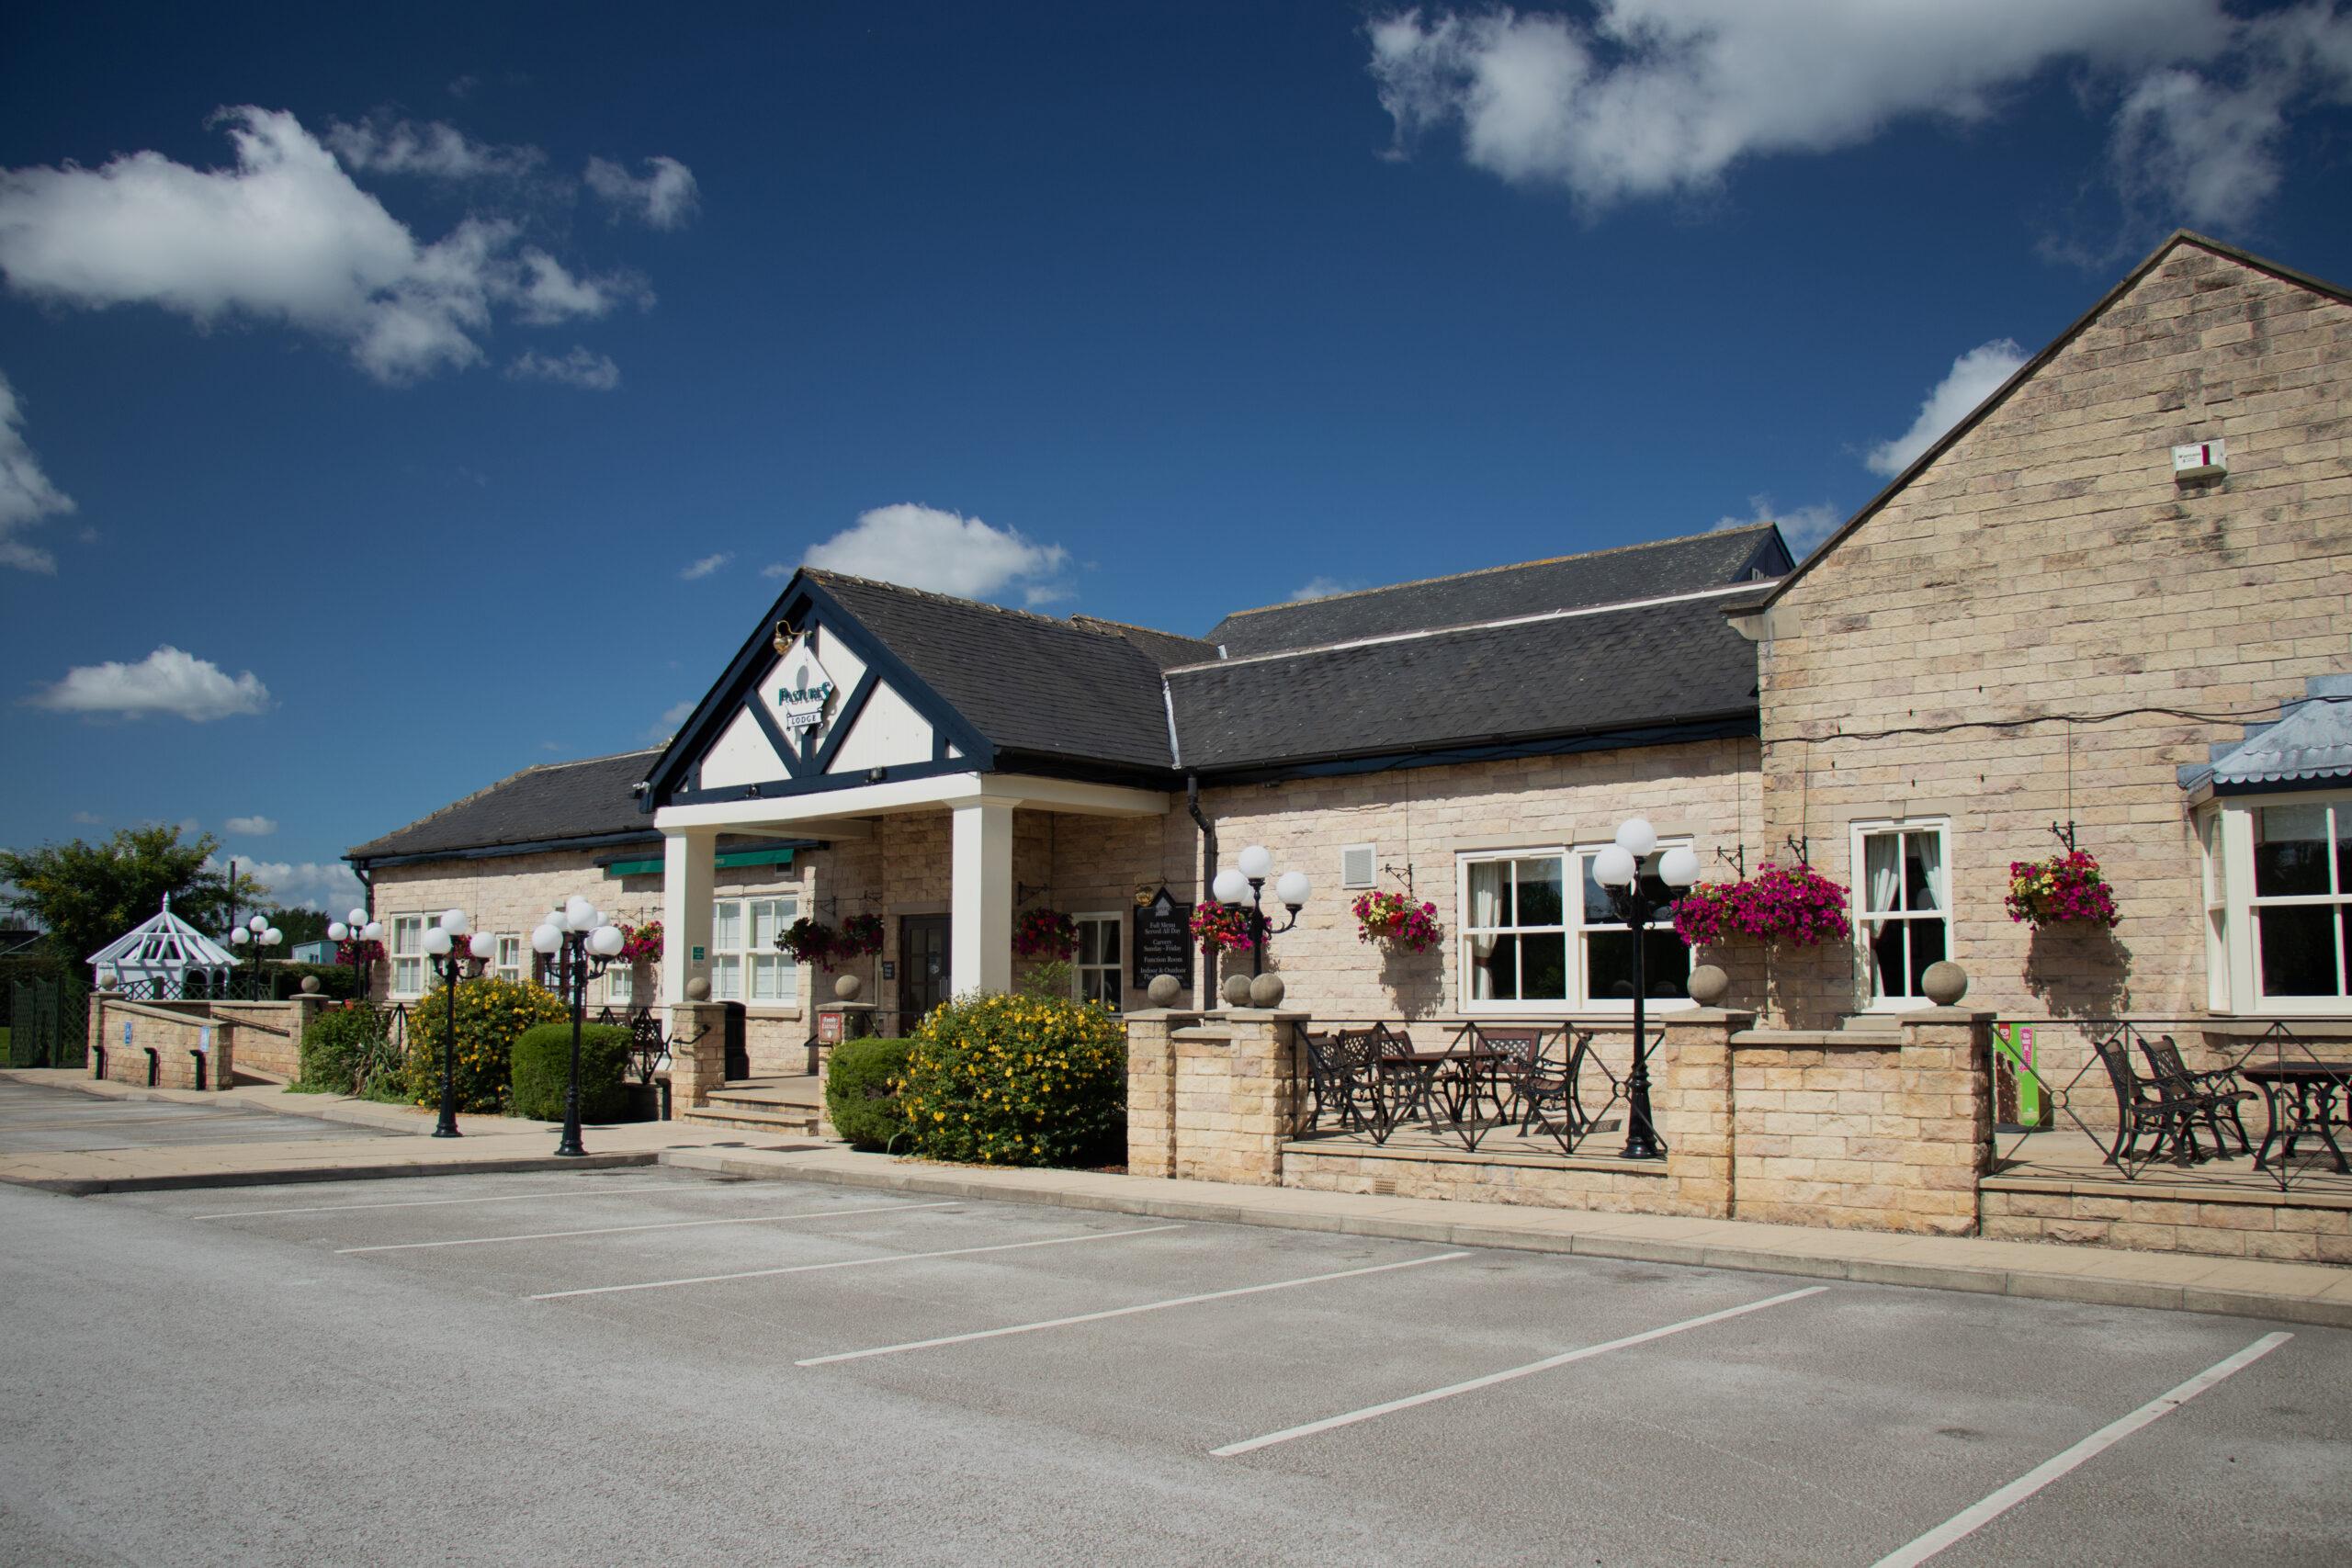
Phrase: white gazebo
(158, 956)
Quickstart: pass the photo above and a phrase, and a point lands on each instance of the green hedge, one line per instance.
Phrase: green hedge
(543, 1067)
(331, 1046)
(493, 1014)
(861, 1091)
(1018, 1080)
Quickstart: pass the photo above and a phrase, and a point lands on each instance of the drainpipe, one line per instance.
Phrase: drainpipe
(1205, 997)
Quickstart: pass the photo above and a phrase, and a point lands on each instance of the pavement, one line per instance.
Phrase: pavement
(2317, 1294)
(666, 1365)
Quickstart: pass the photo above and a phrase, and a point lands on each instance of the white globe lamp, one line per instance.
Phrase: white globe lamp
(1679, 867)
(1613, 866)
(1293, 889)
(1256, 863)
(1230, 887)
(1636, 837)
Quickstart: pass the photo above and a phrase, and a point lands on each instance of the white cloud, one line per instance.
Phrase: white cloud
(705, 566)
(283, 236)
(1323, 588)
(252, 827)
(581, 368)
(434, 150)
(166, 681)
(777, 568)
(1971, 379)
(674, 716)
(663, 197)
(88, 819)
(1663, 98)
(26, 494)
(329, 886)
(1801, 527)
(921, 547)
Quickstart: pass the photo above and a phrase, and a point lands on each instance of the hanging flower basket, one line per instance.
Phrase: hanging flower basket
(1045, 933)
(809, 942)
(861, 937)
(1221, 928)
(1393, 917)
(2065, 890)
(642, 945)
(1796, 905)
(358, 950)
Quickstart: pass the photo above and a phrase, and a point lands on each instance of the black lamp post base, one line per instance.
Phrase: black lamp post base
(447, 1132)
(571, 1151)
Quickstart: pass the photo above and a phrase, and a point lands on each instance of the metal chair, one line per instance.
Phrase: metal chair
(2141, 1108)
(1543, 1085)
(1340, 1080)
(2197, 1097)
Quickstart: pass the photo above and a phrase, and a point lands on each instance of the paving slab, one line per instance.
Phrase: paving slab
(2294, 1292)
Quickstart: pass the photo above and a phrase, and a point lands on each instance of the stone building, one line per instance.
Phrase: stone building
(2076, 616)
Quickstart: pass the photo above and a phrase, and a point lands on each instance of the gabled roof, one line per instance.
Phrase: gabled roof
(1658, 568)
(1166, 650)
(2033, 367)
(552, 803)
(2309, 743)
(1613, 671)
(164, 942)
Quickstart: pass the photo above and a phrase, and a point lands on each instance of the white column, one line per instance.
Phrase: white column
(687, 859)
(980, 938)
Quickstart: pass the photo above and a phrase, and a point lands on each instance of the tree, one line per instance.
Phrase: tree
(86, 895)
(298, 926)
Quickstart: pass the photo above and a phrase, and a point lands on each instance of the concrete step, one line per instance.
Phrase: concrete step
(749, 1118)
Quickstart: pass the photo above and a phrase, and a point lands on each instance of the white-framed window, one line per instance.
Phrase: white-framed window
(745, 964)
(507, 961)
(1902, 908)
(1538, 935)
(1095, 968)
(620, 986)
(2217, 911)
(408, 954)
(2281, 927)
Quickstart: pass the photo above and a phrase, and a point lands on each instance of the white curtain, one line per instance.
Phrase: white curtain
(1883, 873)
(1485, 912)
(1929, 847)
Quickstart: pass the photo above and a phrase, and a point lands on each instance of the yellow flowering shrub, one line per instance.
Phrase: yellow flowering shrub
(1017, 1080)
(491, 1015)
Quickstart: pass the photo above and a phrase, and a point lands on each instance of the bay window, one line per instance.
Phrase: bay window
(1902, 908)
(1538, 935)
(2279, 902)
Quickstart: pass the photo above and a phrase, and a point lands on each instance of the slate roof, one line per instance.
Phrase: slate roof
(2311, 742)
(1580, 672)
(1166, 650)
(1565, 583)
(1028, 682)
(553, 801)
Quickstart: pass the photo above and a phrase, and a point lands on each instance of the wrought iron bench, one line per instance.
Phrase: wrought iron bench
(2197, 1097)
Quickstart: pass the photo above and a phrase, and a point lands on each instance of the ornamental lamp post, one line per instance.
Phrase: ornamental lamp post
(260, 935)
(356, 929)
(449, 968)
(1637, 901)
(1247, 879)
(589, 943)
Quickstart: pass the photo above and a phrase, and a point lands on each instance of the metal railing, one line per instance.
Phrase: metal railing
(2188, 1098)
(1371, 1078)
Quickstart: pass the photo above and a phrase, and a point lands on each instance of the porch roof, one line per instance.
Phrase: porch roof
(2312, 743)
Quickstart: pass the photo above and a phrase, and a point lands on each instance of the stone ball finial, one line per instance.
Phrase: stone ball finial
(846, 987)
(309, 984)
(1163, 990)
(1707, 985)
(1236, 990)
(699, 989)
(1266, 991)
(1945, 982)
(106, 982)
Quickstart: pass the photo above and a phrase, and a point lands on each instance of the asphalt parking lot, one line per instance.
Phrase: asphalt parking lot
(641, 1365)
(43, 1119)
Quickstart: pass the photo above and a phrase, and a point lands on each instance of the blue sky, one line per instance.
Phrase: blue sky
(395, 400)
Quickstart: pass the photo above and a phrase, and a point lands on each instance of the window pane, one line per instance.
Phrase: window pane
(1927, 947)
(1889, 972)
(1489, 883)
(767, 976)
(727, 931)
(1923, 867)
(1544, 967)
(1539, 891)
(1484, 966)
(1090, 942)
(1608, 966)
(2290, 852)
(1110, 929)
(408, 934)
(2344, 849)
(1597, 909)
(2299, 949)
(1882, 886)
(727, 978)
(620, 986)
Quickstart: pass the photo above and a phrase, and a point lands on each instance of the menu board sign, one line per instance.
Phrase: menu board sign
(1163, 943)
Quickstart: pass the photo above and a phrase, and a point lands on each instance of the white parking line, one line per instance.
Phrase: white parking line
(663, 1225)
(1491, 1378)
(1122, 1312)
(849, 1263)
(681, 1187)
(1969, 1520)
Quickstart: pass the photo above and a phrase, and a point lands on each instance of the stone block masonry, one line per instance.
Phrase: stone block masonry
(134, 1043)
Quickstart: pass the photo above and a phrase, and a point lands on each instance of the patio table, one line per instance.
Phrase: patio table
(2301, 1097)
(1456, 1076)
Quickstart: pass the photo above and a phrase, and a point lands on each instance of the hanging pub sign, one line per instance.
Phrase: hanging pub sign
(1163, 943)
(803, 690)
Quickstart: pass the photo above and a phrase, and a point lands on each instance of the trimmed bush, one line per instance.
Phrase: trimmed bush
(861, 1091)
(543, 1067)
(1017, 1080)
(331, 1046)
(491, 1015)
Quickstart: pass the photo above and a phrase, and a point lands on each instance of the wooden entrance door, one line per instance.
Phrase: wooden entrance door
(924, 972)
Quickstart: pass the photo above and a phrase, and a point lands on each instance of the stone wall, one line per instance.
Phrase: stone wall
(2305, 1229)
(2046, 565)
(122, 1034)
(269, 1035)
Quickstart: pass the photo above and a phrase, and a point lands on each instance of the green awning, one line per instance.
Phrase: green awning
(732, 858)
